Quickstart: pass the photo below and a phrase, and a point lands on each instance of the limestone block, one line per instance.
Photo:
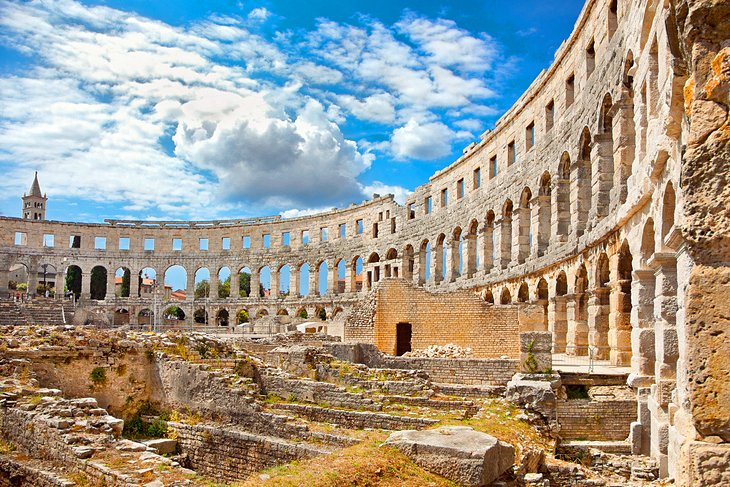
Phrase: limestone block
(536, 351)
(531, 317)
(162, 446)
(708, 464)
(458, 453)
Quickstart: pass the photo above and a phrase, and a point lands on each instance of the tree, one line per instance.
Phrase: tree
(243, 316)
(322, 314)
(73, 280)
(98, 283)
(202, 290)
(175, 312)
(245, 286)
(200, 316)
(224, 288)
(303, 314)
(126, 279)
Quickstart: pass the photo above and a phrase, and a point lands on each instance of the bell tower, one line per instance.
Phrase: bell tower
(34, 202)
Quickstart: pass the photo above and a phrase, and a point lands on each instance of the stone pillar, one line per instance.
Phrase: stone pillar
(274, 290)
(235, 284)
(487, 248)
(598, 311)
(314, 281)
(580, 186)
(642, 334)
(452, 261)
(521, 235)
(560, 228)
(469, 256)
(332, 281)
(558, 322)
(437, 262)
(602, 175)
(85, 285)
(255, 285)
(619, 322)
(33, 278)
(665, 323)
(541, 228)
(5, 278)
(294, 283)
(110, 285)
(504, 238)
(624, 148)
(134, 284)
(416, 277)
(577, 339)
(214, 285)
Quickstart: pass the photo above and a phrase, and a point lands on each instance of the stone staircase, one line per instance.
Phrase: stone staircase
(40, 311)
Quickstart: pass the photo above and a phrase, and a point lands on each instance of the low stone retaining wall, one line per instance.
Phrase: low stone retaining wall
(357, 419)
(229, 455)
(315, 392)
(14, 473)
(606, 420)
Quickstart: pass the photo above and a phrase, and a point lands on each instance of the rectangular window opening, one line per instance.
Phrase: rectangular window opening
(204, 244)
(177, 244)
(411, 211)
(323, 234)
(21, 238)
(305, 237)
(444, 197)
(360, 226)
(343, 230)
(48, 240)
(569, 90)
(266, 240)
(590, 58)
(75, 242)
(511, 154)
(493, 167)
(100, 243)
(530, 136)
(286, 239)
(123, 243)
(226, 243)
(428, 205)
(477, 178)
(460, 189)
(549, 115)
(246, 242)
(149, 244)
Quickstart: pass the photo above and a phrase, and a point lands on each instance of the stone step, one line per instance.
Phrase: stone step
(463, 390)
(574, 447)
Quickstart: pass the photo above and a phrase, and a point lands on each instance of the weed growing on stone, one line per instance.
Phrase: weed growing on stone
(98, 376)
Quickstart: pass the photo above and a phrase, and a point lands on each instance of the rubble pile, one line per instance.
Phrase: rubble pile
(450, 350)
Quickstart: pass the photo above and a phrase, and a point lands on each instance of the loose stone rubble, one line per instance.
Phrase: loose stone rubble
(449, 350)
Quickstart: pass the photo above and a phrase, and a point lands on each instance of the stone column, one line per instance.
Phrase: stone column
(294, 283)
(33, 277)
(560, 221)
(332, 281)
(598, 311)
(665, 323)
(521, 235)
(487, 248)
(235, 284)
(619, 323)
(452, 261)
(642, 334)
(349, 279)
(540, 224)
(577, 339)
(214, 285)
(274, 283)
(134, 284)
(504, 238)
(5, 278)
(624, 148)
(469, 256)
(313, 281)
(85, 284)
(602, 175)
(110, 285)
(437, 262)
(416, 277)
(581, 202)
(255, 285)
(558, 322)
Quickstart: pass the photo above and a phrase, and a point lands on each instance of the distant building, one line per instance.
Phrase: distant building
(34, 202)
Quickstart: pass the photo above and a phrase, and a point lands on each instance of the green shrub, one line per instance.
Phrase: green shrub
(98, 376)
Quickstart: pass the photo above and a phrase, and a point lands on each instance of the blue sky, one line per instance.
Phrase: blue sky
(225, 109)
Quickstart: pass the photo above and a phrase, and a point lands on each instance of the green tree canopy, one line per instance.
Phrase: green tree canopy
(202, 290)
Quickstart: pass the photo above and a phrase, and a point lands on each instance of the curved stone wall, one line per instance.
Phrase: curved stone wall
(573, 201)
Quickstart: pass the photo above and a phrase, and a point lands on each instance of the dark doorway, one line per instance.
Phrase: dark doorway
(403, 338)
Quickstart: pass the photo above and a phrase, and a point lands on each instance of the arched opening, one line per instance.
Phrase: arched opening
(620, 327)
(505, 297)
(147, 282)
(584, 177)
(73, 280)
(303, 313)
(612, 18)
(336, 312)
(175, 279)
(557, 313)
(304, 279)
(98, 283)
(424, 262)
(121, 317)
(200, 316)
(242, 316)
(282, 312)
(373, 271)
(285, 280)
(647, 242)
(542, 290)
(174, 315)
(391, 269)
(578, 315)
(524, 217)
(563, 197)
(202, 283)
(523, 293)
(599, 310)
(19, 278)
(262, 312)
(320, 313)
(668, 205)
(222, 318)
(488, 296)
(224, 282)
(561, 284)
(323, 278)
(145, 317)
(264, 282)
(244, 282)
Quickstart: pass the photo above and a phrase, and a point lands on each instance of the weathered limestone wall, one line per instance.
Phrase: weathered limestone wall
(437, 319)
(605, 420)
(14, 473)
(229, 455)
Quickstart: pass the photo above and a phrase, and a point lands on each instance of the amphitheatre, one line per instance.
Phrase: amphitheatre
(563, 286)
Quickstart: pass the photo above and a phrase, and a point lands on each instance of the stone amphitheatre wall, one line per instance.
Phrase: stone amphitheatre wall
(573, 201)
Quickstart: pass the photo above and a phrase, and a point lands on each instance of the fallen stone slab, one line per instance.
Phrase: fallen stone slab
(459, 453)
(162, 446)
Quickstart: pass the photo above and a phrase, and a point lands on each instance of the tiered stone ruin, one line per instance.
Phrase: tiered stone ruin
(597, 197)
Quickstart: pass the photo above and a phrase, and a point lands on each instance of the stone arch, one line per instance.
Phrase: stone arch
(122, 282)
(561, 284)
(541, 291)
(244, 282)
(341, 271)
(174, 272)
(146, 281)
(173, 314)
(323, 270)
(624, 160)
(302, 313)
(409, 262)
(336, 311)
(242, 316)
(202, 284)
(264, 281)
(282, 312)
(505, 297)
(200, 316)
(121, 317)
(356, 272)
(523, 293)
(320, 312)
(612, 18)
(488, 296)
(98, 284)
(391, 257)
(304, 280)
(577, 342)
(145, 316)
(285, 280)
(222, 318)
(73, 279)
(599, 309)
(223, 282)
(669, 202)
(262, 312)
(524, 225)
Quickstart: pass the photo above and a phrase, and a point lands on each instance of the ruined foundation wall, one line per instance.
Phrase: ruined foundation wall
(595, 420)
